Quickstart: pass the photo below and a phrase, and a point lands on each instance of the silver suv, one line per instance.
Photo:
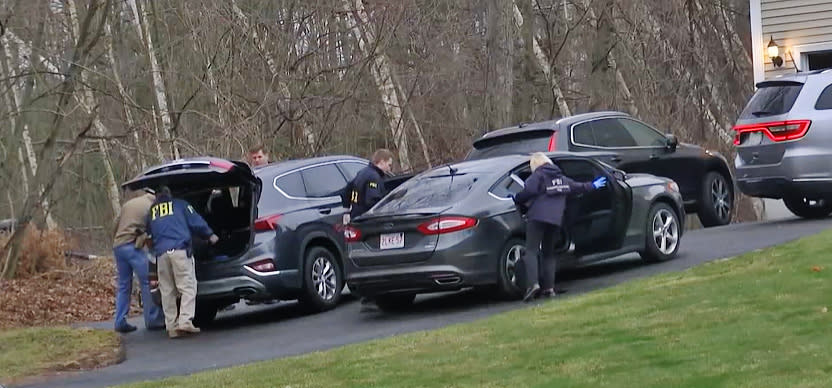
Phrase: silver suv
(784, 143)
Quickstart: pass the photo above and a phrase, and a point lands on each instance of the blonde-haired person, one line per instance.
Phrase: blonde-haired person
(544, 195)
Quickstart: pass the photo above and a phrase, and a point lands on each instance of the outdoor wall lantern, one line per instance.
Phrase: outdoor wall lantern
(774, 53)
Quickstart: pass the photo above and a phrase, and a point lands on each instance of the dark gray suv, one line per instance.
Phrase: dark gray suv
(784, 143)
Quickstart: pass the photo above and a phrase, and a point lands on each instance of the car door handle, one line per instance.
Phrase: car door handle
(325, 210)
(654, 157)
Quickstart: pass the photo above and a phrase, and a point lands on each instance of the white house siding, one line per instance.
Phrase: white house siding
(797, 26)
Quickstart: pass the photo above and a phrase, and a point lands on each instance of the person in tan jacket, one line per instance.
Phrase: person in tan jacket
(130, 256)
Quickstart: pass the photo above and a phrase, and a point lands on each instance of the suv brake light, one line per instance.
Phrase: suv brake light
(221, 164)
(450, 224)
(265, 265)
(266, 223)
(776, 130)
(553, 141)
(351, 234)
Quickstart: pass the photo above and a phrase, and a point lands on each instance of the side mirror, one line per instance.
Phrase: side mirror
(672, 142)
(619, 175)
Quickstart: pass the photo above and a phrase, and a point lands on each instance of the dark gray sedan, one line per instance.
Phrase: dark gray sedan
(455, 226)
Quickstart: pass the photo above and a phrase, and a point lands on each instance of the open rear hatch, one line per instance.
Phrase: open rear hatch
(223, 192)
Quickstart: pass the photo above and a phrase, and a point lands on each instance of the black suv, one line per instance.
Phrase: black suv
(703, 176)
(289, 246)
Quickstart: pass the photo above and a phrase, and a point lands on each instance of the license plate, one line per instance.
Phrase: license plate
(391, 241)
(754, 138)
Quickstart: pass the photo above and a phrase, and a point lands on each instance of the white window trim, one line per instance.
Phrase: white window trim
(801, 53)
(757, 43)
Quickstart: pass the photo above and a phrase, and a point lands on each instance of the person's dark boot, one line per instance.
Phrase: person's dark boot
(531, 292)
(126, 328)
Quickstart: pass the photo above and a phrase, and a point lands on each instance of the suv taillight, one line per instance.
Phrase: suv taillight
(267, 223)
(447, 224)
(553, 141)
(775, 130)
(351, 234)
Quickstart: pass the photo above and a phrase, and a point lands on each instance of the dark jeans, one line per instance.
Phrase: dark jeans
(541, 235)
(130, 260)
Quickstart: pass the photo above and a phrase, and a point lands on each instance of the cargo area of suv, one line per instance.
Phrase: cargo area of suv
(223, 193)
(784, 143)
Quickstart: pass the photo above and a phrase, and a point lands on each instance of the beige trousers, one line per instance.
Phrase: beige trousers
(177, 277)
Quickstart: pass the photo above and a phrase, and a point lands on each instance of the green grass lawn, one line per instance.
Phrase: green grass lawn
(31, 351)
(758, 320)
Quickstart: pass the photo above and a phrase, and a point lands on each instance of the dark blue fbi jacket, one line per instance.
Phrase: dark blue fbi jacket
(170, 224)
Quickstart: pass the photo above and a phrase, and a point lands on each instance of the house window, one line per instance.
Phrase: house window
(819, 60)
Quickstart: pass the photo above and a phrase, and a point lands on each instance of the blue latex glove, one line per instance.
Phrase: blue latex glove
(599, 182)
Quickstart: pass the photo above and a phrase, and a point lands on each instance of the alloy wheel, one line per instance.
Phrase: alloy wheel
(721, 198)
(665, 231)
(515, 253)
(324, 278)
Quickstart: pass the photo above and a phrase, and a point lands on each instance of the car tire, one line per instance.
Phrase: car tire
(320, 270)
(204, 314)
(716, 200)
(801, 207)
(662, 233)
(510, 257)
(394, 302)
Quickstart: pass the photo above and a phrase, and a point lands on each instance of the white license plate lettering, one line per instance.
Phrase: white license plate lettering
(391, 241)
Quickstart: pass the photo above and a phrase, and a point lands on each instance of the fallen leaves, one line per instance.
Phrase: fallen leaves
(51, 289)
(817, 268)
(82, 292)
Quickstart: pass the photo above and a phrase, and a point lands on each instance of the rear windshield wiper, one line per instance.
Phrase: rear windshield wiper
(761, 113)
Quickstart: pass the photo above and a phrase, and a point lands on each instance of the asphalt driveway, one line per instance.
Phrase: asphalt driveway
(253, 333)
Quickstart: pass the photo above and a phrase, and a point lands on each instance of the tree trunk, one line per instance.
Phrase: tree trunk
(524, 90)
(128, 112)
(89, 102)
(607, 28)
(543, 63)
(140, 20)
(500, 60)
(381, 70)
(20, 102)
(282, 86)
(45, 178)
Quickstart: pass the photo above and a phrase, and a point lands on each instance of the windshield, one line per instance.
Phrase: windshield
(428, 191)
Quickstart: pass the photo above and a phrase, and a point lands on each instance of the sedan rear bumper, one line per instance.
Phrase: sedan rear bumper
(415, 280)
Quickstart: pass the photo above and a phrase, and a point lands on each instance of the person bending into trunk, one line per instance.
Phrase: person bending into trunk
(128, 244)
(170, 224)
(544, 195)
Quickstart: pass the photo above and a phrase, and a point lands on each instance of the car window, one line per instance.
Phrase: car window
(582, 134)
(771, 99)
(323, 181)
(825, 100)
(351, 169)
(272, 200)
(507, 186)
(610, 133)
(579, 170)
(292, 184)
(643, 135)
(428, 191)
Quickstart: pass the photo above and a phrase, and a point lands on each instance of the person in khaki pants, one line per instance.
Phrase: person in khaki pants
(170, 224)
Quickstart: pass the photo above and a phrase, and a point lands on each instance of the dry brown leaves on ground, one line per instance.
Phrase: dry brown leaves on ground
(51, 289)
